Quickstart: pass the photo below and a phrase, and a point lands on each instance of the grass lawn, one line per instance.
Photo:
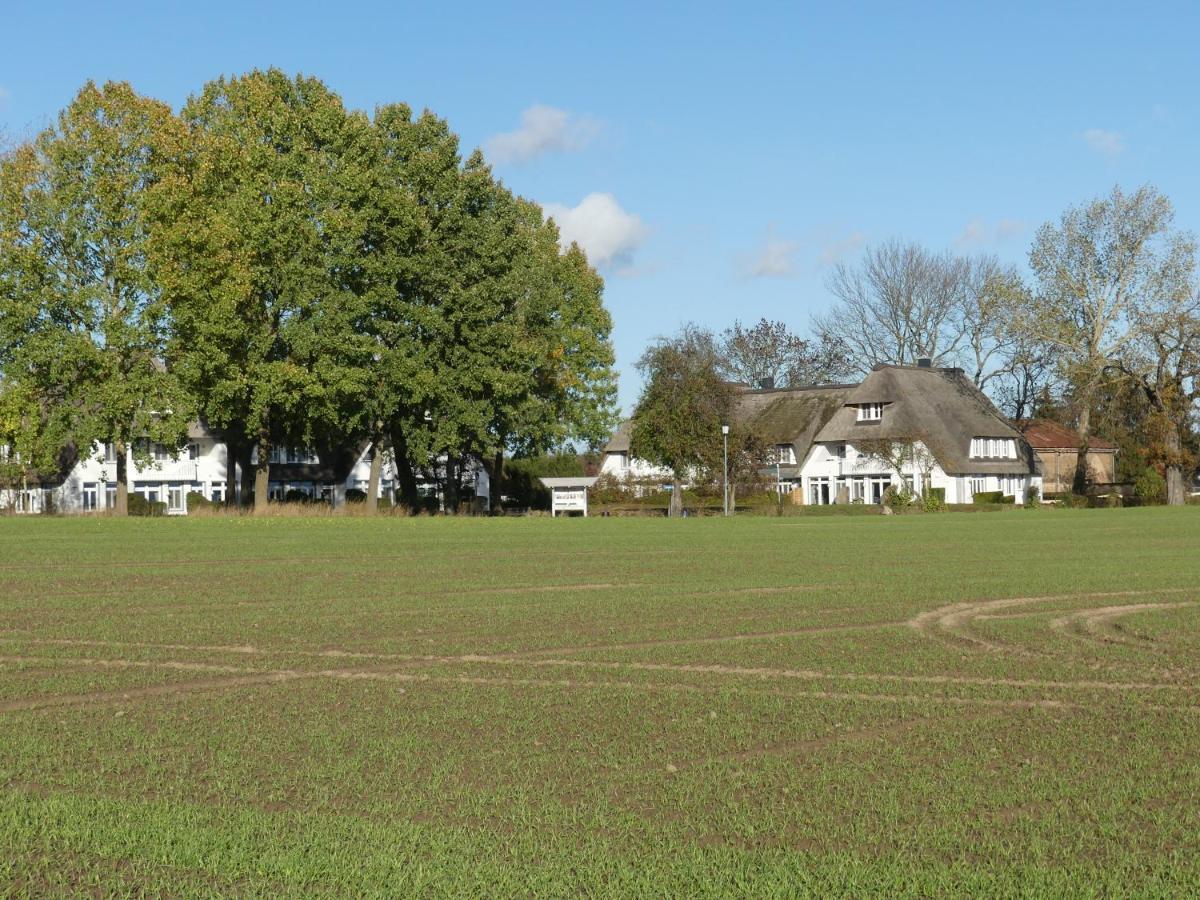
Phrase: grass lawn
(958, 704)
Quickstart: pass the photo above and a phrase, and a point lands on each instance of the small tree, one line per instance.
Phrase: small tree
(678, 419)
(906, 455)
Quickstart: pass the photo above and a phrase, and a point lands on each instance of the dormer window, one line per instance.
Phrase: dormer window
(993, 448)
(870, 412)
(785, 454)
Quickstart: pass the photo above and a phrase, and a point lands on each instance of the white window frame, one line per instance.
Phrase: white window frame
(870, 412)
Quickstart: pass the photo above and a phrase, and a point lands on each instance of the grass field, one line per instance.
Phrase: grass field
(959, 704)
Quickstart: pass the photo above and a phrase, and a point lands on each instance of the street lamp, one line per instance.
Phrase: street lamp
(725, 455)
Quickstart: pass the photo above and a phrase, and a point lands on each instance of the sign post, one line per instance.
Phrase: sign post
(568, 495)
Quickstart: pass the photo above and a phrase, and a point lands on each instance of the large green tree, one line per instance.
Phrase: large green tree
(260, 232)
(83, 325)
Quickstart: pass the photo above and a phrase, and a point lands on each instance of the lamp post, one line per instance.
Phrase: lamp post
(725, 456)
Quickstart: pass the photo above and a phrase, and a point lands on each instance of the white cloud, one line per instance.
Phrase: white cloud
(543, 129)
(834, 251)
(1107, 143)
(776, 258)
(977, 231)
(607, 233)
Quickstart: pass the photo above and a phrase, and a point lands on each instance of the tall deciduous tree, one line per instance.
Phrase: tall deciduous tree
(898, 304)
(83, 323)
(1094, 270)
(260, 228)
(685, 401)
(769, 352)
(1163, 363)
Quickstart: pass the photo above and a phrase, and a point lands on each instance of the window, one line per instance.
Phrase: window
(110, 453)
(89, 496)
(175, 498)
(840, 450)
(858, 490)
(193, 451)
(978, 486)
(993, 448)
(218, 493)
(785, 454)
(110, 496)
(870, 412)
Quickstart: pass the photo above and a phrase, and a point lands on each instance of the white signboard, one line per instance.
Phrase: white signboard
(570, 500)
(568, 494)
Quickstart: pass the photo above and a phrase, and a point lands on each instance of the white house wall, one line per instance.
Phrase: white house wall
(823, 466)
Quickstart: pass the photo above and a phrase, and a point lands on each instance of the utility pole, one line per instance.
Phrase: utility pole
(725, 454)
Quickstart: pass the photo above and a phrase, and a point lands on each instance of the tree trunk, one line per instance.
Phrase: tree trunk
(406, 478)
(262, 473)
(1176, 489)
(675, 509)
(247, 451)
(231, 481)
(452, 486)
(497, 475)
(373, 482)
(121, 502)
(1079, 485)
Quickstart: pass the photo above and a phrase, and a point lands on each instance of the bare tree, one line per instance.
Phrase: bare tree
(1095, 269)
(901, 303)
(770, 352)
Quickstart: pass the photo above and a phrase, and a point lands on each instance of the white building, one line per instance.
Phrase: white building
(917, 425)
(90, 482)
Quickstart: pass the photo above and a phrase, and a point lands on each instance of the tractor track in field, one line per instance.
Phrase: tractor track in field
(952, 623)
(1096, 625)
(252, 677)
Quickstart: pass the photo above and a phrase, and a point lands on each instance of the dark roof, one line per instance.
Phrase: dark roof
(791, 415)
(940, 407)
(780, 415)
(1046, 435)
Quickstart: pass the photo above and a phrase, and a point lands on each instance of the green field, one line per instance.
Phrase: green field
(956, 704)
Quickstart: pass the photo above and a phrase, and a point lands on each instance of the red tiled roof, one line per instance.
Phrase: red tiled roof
(1043, 435)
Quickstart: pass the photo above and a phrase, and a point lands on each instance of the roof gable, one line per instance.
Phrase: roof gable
(940, 407)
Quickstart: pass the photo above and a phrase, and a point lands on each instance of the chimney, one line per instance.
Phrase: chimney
(766, 384)
(924, 363)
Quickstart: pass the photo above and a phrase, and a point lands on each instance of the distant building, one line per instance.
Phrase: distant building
(1057, 449)
(89, 483)
(831, 443)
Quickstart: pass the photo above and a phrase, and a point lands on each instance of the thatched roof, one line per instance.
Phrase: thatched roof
(781, 416)
(940, 407)
(791, 415)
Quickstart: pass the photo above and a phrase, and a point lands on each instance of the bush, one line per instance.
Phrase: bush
(295, 495)
(1033, 497)
(934, 500)
(898, 499)
(353, 495)
(1150, 487)
(988, 497)
(197, 501)
(140, 506)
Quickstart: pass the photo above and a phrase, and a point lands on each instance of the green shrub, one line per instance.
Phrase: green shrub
(989, 497)
(295, 495)
(1033, 497)
(196, 500)
(1150, 487)
(353, 495)
(140, 506)
(934, 500)
(898, 499)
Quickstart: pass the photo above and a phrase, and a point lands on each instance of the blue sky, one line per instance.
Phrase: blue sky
(716, 159)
